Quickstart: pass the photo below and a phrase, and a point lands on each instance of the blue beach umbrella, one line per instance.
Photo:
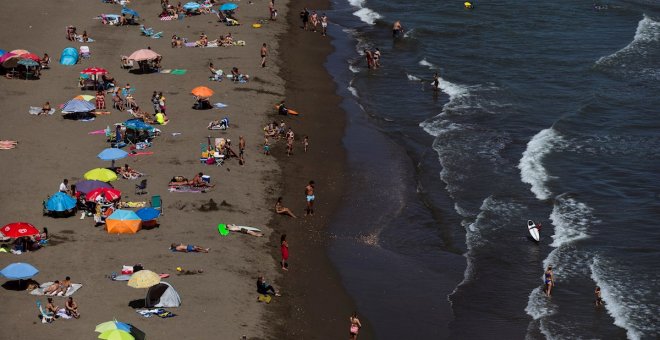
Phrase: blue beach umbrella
(148, 214)
(78, 106)
(60, 202)
(191, 6)
(28, 63)
(111, 154)
(129, 11)
(137, 124)
(2, 52)
(228, 7)
(19, 271)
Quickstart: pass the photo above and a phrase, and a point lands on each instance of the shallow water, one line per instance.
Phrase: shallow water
(544, 112)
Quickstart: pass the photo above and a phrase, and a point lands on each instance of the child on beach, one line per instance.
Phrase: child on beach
(306, 143)
(284, 249)
(266, 146)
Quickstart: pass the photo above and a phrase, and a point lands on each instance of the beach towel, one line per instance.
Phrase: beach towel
(159, 312)
(40, 291)
(141, 153)
(126, 277)
(220, 105)
(187, 188)
(264, 298)
(190, 44)
(179, 71)
(132, 204)
(166, 71)
(37, 110)
(96, 132)
(173, 17)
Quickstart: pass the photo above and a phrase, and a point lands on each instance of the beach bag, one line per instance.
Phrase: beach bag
(210, 161)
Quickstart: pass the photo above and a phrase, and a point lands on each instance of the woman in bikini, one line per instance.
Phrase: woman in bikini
(355, 326)
(100, 100)
(549, 278)
(280, 209)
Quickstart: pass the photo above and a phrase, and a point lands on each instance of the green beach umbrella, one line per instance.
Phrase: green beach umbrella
(100, 174)
(222, 229)
(116, 334)
(112, 325)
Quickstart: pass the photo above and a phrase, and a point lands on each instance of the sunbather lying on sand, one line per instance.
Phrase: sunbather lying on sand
(235, 228)
(8, 144)
(188, 248)
(52, 288)
(128, 173)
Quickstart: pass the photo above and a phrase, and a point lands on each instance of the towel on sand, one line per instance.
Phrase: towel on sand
(37, 110)
(40, 291)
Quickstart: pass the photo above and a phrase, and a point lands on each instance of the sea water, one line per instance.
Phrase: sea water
(547, 111)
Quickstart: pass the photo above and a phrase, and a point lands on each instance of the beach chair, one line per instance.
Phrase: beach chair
(46, 317)
(146, 31)
(85, 53)
(157, 203)
(141, 189)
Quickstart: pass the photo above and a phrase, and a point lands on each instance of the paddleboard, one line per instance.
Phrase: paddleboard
(531, 226)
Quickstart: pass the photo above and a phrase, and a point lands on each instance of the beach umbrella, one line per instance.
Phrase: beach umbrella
(60, 201)
(19, 229)
(19, 52)
(202, 92)
(30, 56)
(148, 214)
(10, 60)
(94, 70)
(28, 63)
(228, 7)
(116, 334)
(144, 279)
(112, 325)
(111, 154)
(100, 174)
(84, 97)
(6, 56)
(143, 54)
(78, 106)
(107, 193)
(87, 186)
(129, 11)
(123, 222)
(191, 6)
(19, 271)
(2, 52)
(138, 124)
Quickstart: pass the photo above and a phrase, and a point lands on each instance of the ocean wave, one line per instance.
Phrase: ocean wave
(426, 63)
(353, 91)
(412, 78)
(538, 305)
(621, 294)
(353, 68)
(452, 90)
(367, 15)
(531, 166)
(571, 220)
(356, 3)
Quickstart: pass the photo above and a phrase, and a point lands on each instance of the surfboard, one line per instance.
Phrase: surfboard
(222, 229)
(289, 111)
(531, 226)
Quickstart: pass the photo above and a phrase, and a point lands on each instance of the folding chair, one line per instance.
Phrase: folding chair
(146, 31)
(85, 53)
(157, 203)
(141, 189)
(46, 317)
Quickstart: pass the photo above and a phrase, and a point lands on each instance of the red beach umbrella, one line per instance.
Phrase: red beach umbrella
(19, 229)
(30, 56)
(109, 194)
(94, 70)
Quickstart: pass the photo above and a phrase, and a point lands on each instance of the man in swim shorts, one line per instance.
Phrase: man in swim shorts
(188, 248)
(324, 25)
(309, 196)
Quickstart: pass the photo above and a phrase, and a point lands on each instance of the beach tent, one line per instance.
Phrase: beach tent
(60, 202)
(123, 222)
(138, 124)
(69, 56)
(162, 295)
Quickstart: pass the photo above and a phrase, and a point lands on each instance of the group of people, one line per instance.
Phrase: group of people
(70, 309)
(373, 58)
(311, 21)
(280, 131)
(27, 243)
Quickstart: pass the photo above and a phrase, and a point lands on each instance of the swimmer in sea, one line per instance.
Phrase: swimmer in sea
(436, 82)
(397, 29)
(599, 299)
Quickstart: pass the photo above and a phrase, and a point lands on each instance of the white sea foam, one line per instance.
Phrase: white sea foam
(425, 62)
(621, 294)
(357, 3)
(367, 15)
(452, 90)
(648, 31)
(571, 220)
(353, 91)
(531, 166)
(538, 305)
(412, 78)
(353, 68)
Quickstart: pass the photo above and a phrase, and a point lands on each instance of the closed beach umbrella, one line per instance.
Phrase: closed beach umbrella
(19, 229)
(78, 106)
(144, 279)
(109, 194)
(30, 56)
(19, 271)
(84, 97)
(148, 214)
(202, 92)
(191, 6)
(228, 7)
(129, 11)
(87, 186)
(123, 222)
(100, 174)
(143, 54)
(112, 325)
(60, 201)
(94, 70)
(116, 334)
(111, 154)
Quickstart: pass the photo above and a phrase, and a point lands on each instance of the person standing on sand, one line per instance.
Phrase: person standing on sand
(549, 279)
(264, 53)
(309, 196)
(315, 20)
(324, 25)
(284, 248)
(266, 146)
(241, 150)
(306, 143)
(355, 326)
(304, 15)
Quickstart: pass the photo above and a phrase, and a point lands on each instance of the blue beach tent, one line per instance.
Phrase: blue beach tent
(69, 56)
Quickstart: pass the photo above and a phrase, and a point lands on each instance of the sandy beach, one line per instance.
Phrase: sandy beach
(221, 301)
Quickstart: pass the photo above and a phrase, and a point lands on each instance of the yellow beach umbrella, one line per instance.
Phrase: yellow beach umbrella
(116, 334)
(100, 174)
(84, 97)
(144, 279)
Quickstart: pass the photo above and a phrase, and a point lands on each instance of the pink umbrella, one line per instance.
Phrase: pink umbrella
(143, 54)
(30, 56)
(19, 52)
(6, 56)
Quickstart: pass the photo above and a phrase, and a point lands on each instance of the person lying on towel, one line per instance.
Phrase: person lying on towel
(188, 248)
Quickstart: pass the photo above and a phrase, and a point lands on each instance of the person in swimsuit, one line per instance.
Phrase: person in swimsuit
(370, 58)
(280, 209)
(284, 249)
(45, 109)
(599, 300)
(264, 288)
(188, 248)
(549, 278)
(324, 25)
(435, 84)
(397, 29)
(315, 20)
(72, 308)
(309, 196)
(376, 58)
(355, 326)
(264, 53)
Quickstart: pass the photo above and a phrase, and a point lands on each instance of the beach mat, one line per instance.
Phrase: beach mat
(179, 72)
(37, 110)
(264, 298)
(187, 188)
(40, 291)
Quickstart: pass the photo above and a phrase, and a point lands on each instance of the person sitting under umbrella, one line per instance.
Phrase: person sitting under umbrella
(45, 61)
(188, 248)
(202, 103)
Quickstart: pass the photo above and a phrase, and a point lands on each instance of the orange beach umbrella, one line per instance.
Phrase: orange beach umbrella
(202, 91)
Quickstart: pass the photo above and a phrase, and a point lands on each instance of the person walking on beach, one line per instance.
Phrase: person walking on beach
(549, 279)
(599, 300)
(324, 25)
(100, 100)
(304, 15)
(315, 20)
(355, 326)
(309, 196)
(306, 143)
(264, 53)
(284, 248)
(241, 150)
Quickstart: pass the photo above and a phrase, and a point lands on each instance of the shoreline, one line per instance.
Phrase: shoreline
(318, 305)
